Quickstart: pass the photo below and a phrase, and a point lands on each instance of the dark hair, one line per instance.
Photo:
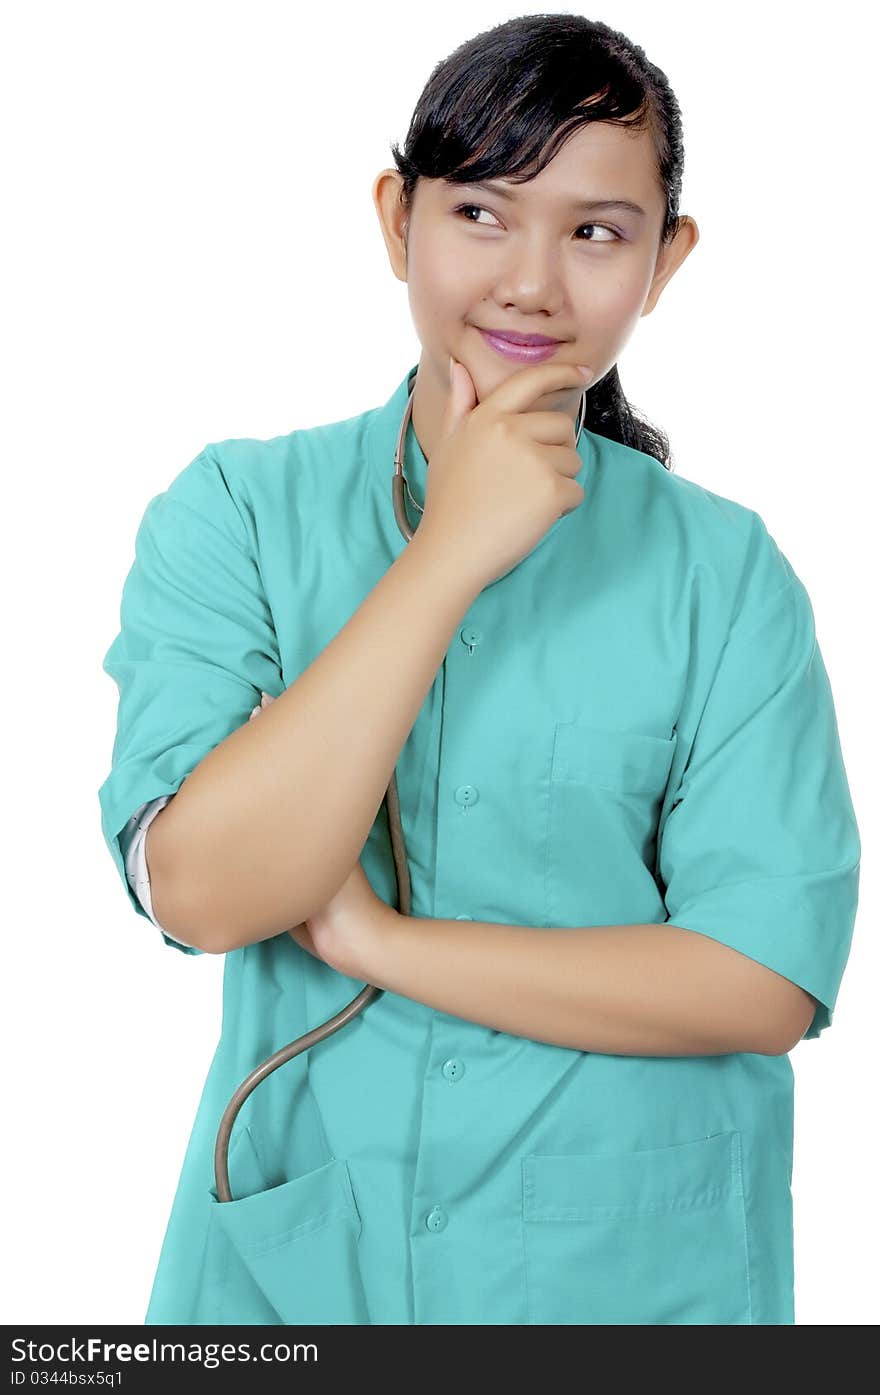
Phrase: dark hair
(505, 101)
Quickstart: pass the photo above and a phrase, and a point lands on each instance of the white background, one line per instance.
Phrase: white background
(191, 253)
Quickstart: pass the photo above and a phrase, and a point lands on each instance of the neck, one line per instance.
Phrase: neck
(429, 406)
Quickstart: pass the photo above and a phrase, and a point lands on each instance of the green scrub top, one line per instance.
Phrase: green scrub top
(633, 724)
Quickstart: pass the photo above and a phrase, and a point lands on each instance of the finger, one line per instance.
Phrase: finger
(266, 700)
(518, 392)
(549, 428)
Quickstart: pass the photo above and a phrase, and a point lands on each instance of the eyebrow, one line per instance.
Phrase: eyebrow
(575, 203)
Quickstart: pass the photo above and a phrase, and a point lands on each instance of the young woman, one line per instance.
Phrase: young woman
(596, 690)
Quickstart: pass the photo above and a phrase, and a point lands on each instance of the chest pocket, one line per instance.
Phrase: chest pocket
(605, 792)
(651, 1237)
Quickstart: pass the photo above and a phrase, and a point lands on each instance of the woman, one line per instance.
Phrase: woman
(633, 856)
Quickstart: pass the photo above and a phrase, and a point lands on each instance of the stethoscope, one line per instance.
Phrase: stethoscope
(399, 484)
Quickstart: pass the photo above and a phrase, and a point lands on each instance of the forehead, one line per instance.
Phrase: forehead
(598, 161)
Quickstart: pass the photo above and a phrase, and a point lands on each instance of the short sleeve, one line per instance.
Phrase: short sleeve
(195, 648)
(133, 840)
(760, 848)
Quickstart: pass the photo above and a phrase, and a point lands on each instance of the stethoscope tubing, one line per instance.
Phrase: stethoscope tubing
(399, 488)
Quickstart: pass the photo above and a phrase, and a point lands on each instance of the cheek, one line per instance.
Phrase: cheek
(440, 282)
(613, 306)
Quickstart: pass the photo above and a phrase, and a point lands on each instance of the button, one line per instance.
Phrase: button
(436, 1219)
(470, 636)
(464, 917)
(453, 1069)
(467, 794)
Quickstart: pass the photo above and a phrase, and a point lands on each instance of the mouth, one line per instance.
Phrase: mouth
(521, 348)
(528, 339)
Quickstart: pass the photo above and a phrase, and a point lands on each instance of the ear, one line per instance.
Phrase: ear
(393, 218)
(670, 258)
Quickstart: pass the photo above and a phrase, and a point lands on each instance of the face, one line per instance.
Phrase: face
(533, 262)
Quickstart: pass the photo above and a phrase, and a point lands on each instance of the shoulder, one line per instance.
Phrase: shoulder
(246, 461)
(235, 482)
(715, 535)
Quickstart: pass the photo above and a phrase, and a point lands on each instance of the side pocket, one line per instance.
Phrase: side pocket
(293, 1248)
(644, 1238)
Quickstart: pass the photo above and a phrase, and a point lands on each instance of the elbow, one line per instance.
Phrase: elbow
(179, 912)
(194, 906)
(178, 918)
(202, 923)
(794, 1021)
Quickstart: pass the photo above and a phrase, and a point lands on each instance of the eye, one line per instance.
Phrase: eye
(463, 207)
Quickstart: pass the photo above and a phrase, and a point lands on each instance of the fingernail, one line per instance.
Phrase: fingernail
(586, 372)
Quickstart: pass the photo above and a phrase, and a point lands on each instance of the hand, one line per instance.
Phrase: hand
(346, 932)
(501, 472)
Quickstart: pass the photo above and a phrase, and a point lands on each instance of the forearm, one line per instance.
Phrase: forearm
(631, 990)
(269, 824)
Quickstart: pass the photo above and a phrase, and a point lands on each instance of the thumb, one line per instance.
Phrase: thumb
(462, 397)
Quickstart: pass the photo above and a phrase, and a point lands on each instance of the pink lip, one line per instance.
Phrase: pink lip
(516, 338)
(520, 353)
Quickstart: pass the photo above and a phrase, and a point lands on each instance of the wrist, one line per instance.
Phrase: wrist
(446, 567)
(377, 946)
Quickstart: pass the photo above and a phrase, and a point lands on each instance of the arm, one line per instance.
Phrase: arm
(630, 990)
(240, 853)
